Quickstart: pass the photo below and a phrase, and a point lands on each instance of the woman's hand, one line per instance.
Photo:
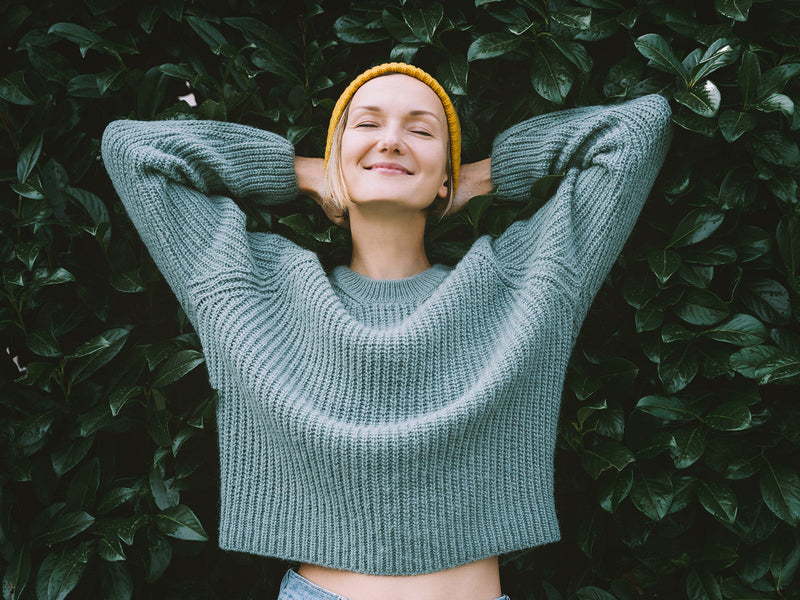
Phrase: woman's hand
(474, 179)
(311, 181)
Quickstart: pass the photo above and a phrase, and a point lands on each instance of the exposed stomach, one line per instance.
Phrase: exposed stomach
(479, 580)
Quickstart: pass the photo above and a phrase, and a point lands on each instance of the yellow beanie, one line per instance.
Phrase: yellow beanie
(453, 125)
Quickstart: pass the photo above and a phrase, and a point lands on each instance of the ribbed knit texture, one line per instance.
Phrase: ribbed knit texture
(387, 427)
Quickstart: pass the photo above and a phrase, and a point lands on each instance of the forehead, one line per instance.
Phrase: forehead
(398, 92)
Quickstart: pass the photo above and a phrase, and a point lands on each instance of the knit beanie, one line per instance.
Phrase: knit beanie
(453, 125)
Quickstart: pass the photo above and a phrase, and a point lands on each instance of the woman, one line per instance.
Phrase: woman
(389, 425)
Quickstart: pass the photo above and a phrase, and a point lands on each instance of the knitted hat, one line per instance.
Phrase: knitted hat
(453, 125)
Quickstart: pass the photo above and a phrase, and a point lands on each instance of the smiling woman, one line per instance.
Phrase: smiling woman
(418, 445)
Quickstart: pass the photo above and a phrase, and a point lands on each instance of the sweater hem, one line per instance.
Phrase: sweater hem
(383, 569)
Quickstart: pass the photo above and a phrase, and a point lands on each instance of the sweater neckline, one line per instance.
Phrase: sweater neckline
(399, 291)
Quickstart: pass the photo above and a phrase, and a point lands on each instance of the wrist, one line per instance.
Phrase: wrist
(309, 172)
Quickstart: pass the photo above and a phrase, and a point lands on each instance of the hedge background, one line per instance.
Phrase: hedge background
(677, 469)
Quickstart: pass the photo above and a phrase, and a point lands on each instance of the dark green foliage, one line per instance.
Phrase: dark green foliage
(678, 473)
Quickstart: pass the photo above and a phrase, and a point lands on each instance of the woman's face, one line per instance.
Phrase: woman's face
(395, 143)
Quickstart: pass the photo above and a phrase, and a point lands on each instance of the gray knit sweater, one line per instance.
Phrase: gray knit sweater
(387, 426)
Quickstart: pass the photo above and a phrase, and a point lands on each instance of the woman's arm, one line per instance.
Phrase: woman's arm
(176, 179)
(609, 157)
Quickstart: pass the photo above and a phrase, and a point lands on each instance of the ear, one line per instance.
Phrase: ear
(443, 190)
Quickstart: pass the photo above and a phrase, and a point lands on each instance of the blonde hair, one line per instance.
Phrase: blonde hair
(336, 193)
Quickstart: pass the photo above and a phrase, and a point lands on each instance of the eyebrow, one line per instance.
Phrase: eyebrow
(413, 113)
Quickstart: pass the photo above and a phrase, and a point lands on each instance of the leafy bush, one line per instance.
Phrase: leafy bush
(677, 464)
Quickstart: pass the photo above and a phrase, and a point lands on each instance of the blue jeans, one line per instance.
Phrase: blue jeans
(296, 587)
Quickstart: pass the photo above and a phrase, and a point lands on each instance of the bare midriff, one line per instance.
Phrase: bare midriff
(479, 580)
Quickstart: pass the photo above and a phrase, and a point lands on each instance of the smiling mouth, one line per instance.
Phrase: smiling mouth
(390, 168)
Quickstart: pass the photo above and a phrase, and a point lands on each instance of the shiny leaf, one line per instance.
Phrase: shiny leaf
(181, 523)
(703, 98)
(780, 489)
(718, 499)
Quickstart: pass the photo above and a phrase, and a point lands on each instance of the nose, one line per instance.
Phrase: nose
(390, 140)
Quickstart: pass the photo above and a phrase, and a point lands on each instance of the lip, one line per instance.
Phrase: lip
(389, 168)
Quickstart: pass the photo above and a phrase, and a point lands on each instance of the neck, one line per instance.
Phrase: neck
(387, 243)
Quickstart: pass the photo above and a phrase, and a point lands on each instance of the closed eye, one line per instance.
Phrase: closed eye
(425, 133)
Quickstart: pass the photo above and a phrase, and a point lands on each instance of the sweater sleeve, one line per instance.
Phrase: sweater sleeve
(609, 157)
(176, 180)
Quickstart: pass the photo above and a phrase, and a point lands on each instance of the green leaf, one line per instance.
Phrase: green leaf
(181, 523)
(14, 89)
(423, 22)
(117, 582)
(775, 147)
(264, 59)
(648, 319)
(703, 98)
(769, 300)
(734, 9)
(109, 547)
(702, 307)
(44, 343)
(701, 585)
(719, 54)
(129, 282)
(696, 226)
(114, 498)
(663, 263)
(733, 124)
(695, 123)
(787, 236)
(97, 352)
(668, 408)
(776, 103)
(165, 494)
(67, 457)
(492, 44)
(655, 48)
(453, 75)
(733, 415)
(17, 573)
(780, 489)
(654, 444)
(551, 75)
(357, 31)
(605, 455)
(395, 24)
(652, 495)
(775, 79)
(85, 38)
(208, 33)
(121, 396)
(65, 527)
(574, 52)
(176, 366)
(28, 157)
(741, 330)
(147, 18)
(593, 593)
(749, 75)
(59, 574)
(689, 447)
(678, 367)
(733, 458)
(754, 242)
(159, 557)
(574, 17)
(613, 488)
(718, 499)
(91, 203)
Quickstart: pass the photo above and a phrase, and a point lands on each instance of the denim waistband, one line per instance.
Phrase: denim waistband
(296, 587)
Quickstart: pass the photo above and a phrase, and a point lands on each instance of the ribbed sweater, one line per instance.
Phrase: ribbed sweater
(387, 426)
